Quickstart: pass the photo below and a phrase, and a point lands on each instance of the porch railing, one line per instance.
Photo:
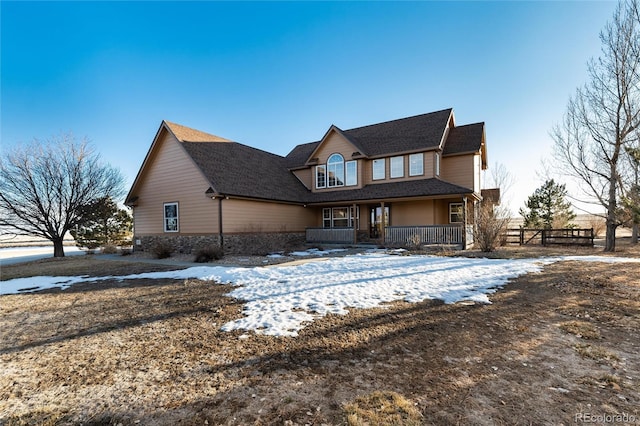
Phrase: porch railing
(330, 235)
(418, 235)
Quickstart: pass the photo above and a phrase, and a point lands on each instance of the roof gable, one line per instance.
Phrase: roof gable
(187, 134)
(411, 134)
(333, 129)
(467, 139)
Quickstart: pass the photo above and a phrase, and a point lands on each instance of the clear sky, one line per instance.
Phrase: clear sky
(274, 75)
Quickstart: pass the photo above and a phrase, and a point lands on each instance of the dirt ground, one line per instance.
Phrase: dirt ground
(557, 347)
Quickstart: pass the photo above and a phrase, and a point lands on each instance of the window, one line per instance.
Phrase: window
(326, 218)
(456, 213)
(437, 164)
(335, 167)
(352, 173)
(416, 164)
(171, 217)
(397, 167)
(321, 176)
(340, 217)
(378, 169)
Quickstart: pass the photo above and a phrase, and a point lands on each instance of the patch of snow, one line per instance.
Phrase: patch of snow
(279, 301)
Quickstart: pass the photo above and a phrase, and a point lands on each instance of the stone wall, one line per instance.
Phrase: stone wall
(234, 244)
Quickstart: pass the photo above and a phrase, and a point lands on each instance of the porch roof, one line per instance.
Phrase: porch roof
(406, 189)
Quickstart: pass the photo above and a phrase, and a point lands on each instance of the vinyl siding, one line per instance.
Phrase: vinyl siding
(171, 176)
(256, 216)
(335, 143)
(458, 170)
(415, 213)
(306, 176)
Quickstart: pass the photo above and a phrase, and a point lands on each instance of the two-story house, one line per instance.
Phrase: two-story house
(406, 181)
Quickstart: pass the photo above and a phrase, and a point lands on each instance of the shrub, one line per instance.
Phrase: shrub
(162, 250)
(109, 249)
(209, 253)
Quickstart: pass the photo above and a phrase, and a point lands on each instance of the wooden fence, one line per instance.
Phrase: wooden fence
(545, 237)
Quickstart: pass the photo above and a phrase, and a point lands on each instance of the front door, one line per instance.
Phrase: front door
(377, 220)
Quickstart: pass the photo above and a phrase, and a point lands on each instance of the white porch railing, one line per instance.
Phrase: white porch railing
(418, 235)
(330, 235)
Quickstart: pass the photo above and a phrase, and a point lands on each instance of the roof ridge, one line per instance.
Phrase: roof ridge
(399, 119)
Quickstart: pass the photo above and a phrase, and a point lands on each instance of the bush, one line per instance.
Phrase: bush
(162, 250)
(207, 254)
(109, 249)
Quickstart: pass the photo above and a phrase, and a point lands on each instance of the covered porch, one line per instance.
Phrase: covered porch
(397, 222)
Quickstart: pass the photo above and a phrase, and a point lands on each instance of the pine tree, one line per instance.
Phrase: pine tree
(547, 207)
(103, 224)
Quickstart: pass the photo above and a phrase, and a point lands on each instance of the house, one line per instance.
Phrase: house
(411, 180)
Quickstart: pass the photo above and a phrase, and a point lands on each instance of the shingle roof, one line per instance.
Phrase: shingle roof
(300, 154)
(420, 132)
(242, 171)
(411, 188)
(466, 138)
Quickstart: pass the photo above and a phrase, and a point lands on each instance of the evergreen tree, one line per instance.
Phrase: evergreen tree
(103, 223)
(547, 207)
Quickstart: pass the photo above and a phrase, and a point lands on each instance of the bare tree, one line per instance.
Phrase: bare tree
(492, 215)
(45, 187)
(603, 116)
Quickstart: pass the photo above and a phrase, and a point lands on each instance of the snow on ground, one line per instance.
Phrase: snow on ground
(280, 300)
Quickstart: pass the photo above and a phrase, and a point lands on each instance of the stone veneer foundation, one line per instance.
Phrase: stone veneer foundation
(245, 243)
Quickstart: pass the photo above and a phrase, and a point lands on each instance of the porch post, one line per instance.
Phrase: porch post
(382, 222)
(464, 223)
(355, 224)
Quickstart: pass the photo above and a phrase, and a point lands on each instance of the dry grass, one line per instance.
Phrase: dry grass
(152, 352)
(582, 329)
(382, 408)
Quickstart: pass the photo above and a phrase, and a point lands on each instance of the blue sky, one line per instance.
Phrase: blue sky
(274, 75)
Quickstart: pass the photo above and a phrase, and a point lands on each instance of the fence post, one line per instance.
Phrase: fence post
(521, 236)
(544, 237)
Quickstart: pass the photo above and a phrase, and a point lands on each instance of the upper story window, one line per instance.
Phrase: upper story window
(437, 164)
(397, 167)
(170, 217)
(416, 164)
(337, 172)
(351, 172)
(378, 169)
(335, 169)
(321, 176)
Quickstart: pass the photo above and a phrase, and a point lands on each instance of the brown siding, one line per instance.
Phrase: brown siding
(171, 176)
(257, 216)
(413, 213)
(333, 144)
(459, 170)
(428, 168)
(306, 177)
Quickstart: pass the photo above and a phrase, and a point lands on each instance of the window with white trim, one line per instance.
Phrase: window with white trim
(321, 176)
(396, 164)
(170, 217)
(456, 213)
(437, 164)
(416, 164)
(335, 169)
(378, 169)
(351, 169)
(340, 217)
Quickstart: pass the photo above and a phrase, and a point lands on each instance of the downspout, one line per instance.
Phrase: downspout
(220, 233)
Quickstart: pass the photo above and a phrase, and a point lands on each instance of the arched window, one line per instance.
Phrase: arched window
(335, 170)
